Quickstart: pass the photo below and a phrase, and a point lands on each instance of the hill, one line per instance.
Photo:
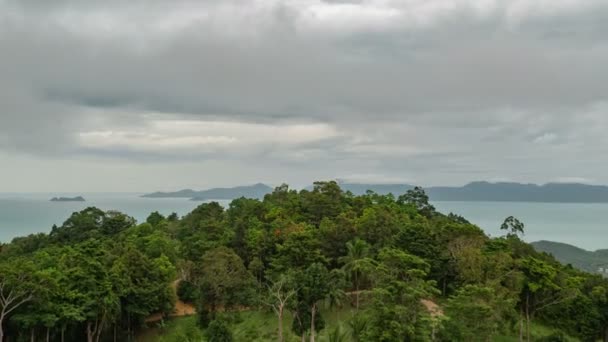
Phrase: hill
(186, 193)
(594, 262)
(250, 191)
(475, 191)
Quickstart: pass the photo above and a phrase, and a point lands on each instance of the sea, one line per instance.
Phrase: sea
(582, 225)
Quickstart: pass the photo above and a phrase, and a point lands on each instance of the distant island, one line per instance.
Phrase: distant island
(475, 191)
(251, 191)
(68, 199)
(594, 262)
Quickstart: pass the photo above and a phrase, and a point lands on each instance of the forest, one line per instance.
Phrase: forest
(384, 267)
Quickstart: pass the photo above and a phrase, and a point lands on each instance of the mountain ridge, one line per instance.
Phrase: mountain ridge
(474, 191)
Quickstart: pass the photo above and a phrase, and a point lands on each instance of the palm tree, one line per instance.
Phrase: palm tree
(336, 294)
(357, 264)
(357, 325)
(337, 335)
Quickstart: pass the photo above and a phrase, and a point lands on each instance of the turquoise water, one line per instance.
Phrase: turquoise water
(582, 225)
(22, 214)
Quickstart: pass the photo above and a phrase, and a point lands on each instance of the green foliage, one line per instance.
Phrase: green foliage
(187, 291)
(218, 331)
(513, 226)
(419, 199)
(476, 313)
(155, 218)
(223, 279)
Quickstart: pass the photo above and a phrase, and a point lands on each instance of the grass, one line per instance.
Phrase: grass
(254, 326)
(261, 326)
(537, 332)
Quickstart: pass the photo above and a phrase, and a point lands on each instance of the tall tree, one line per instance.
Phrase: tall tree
(281, 295)
(223, 279)
(357, 264)
(18, 284)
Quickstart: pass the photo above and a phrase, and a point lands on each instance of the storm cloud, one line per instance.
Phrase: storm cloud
(147, 95)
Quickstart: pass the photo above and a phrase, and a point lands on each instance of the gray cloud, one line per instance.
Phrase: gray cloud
(432, 91)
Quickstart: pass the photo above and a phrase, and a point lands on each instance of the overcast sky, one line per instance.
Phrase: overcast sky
(158, 95)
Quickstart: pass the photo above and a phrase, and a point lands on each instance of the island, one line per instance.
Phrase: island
(258, 191)
(68, 199)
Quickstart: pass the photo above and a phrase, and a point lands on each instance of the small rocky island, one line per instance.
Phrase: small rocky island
(68, 199)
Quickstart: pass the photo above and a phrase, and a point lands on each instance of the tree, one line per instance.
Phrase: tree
(337, 284)
(17, 287)
(223, 279)
(513, 226)
(419, 199)
(326, 200)
(357, 264)
(378, 225)
(281, 294)
(299, 250)
(476, 313)
(396, 312)
(314, 287)
(543, 288)
(155, 218)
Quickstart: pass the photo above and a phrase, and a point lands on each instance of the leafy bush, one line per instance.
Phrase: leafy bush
(187, 291)
(218, 331)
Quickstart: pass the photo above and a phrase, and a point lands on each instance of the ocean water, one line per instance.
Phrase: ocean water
(582, 225)
(23, 214)
(579, 224)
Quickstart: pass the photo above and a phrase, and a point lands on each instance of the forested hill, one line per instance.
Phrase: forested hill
(299, 258)
(476, 191)
(594, 262)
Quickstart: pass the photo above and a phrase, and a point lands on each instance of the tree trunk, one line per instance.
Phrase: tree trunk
(521, 324)
(280, 324)
(1, 329)
(303, 339)
(605, 334)
(312, 323)
(48, 334)
(356, 292)
(63, 333)
(89, 332)
(528, 317)
(32, 335)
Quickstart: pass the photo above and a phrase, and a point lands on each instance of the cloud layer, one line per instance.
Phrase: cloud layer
(430, 92)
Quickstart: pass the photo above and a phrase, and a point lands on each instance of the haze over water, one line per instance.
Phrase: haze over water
(577, 224)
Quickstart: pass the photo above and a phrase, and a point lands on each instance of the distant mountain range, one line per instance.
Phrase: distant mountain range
(498, 192)
(476, 191)
(250, 191)
(594, 262)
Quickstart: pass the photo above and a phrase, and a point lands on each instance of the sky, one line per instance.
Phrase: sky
(162, 95)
